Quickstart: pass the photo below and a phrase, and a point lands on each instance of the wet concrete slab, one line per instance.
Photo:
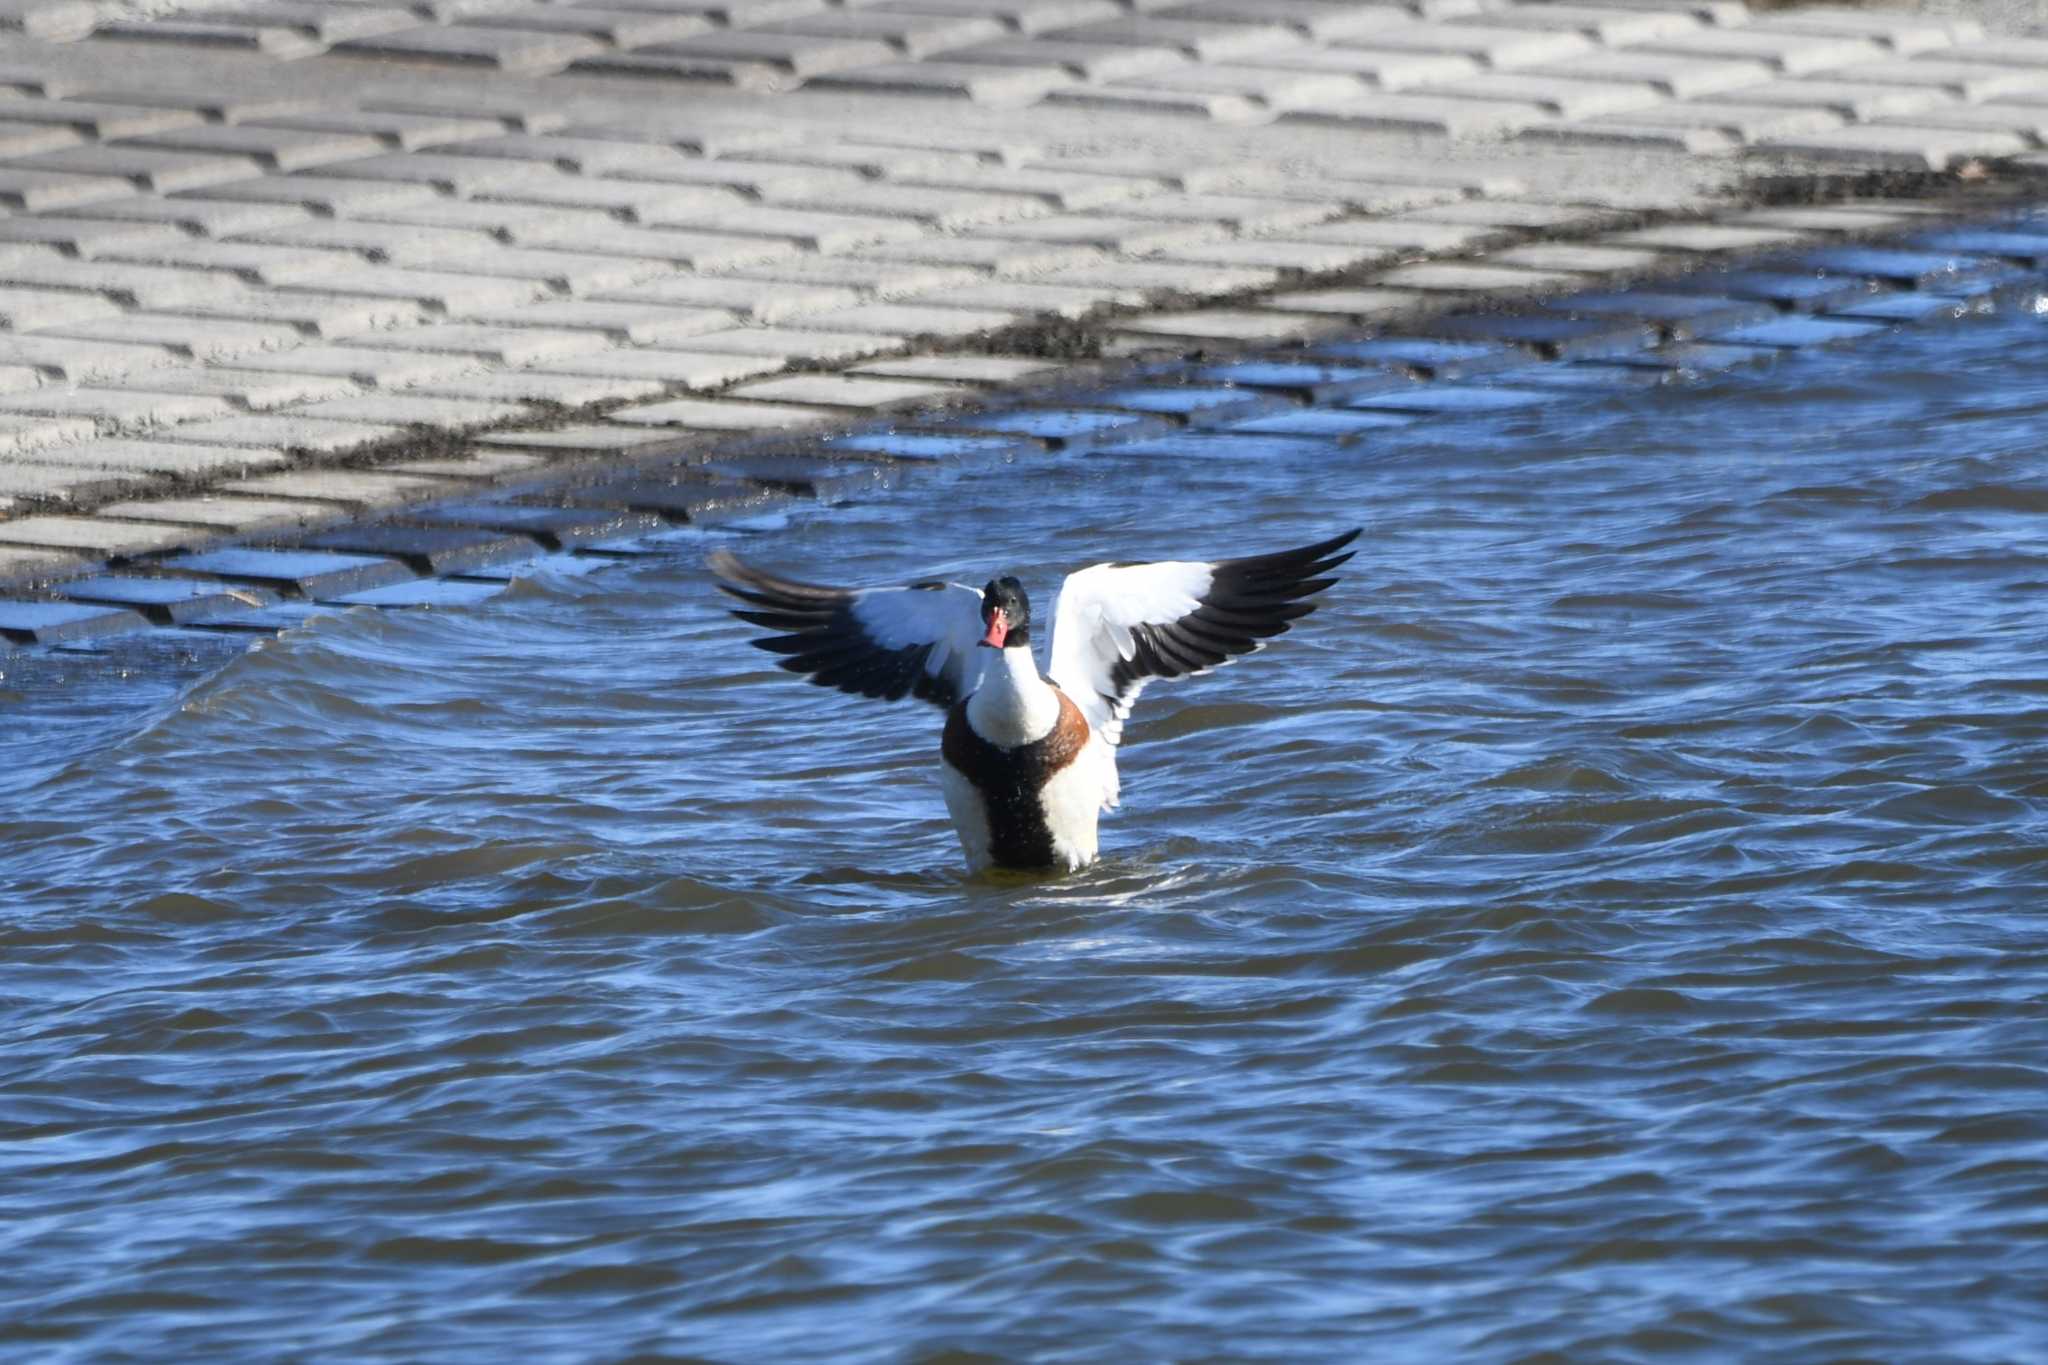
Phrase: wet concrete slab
(692, 497)
(1677, 316)
(1788, 333)
(1548, 333)
(421, 592)
(557, 528)
(57, 623)
(295, 573)
(166, 600)
(1433, 359)
(1195, 405)
(1064, 428)
(1458, 400)
(1304, 380)
(1339, 424)
(1907, 269)
(427, 549)
(1785, 289)
(955, 449)
(804, 475)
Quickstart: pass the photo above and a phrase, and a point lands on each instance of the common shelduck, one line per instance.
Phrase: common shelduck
(1029, 760)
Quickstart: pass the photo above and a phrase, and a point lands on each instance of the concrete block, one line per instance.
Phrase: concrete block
(365, 365)
(1243, 325)
(183, 459)
(1032, 298)
(104, 122)
(1062, 189)
(1563, 98)
(1705, 237)
(878, 278)
(1239, 213)
(1498, 47)
(21, 564)
(698, 414)
(591, 156)
(1553, 333)
(1003, 257)
(1088, 61)
(830, 233)
(1583, 259)
(1790, 290)
(20, 433)
(406, 132)
(505, 345)
(530, 386)
(296, 573)
(1794, 54)
(255, 390)
(320, 193)
(166, 601)
(1177, 279)
(1971, 81)
(57, 481)
(1355, 305)
(158, 169)
(1122, 99)
(772, 182)
(441, 172)
(411, 409)
(1021, 16)
(1406, 235)
(50, 21)
(646, 324)
(860, 392)
(1273, 86)
(356, 488)
(1907, 268)
(426, 549)
(1825, 218)
(92, 535)
(87, 238)
(199, 217)
(930, 206)
(31, 191)
(25, 309)
(1206, 42)
(621, 27)
(584, 440)
(443, 291)
(914, 35)
(308, 311)
(908, 320)
(690, 496)
(2028, 122)
(1612, 27)
(136, 286)
(1737, 122)
(881, 160)
(1904, 34)
(278, 432)
(518, 110)
(959, 369)
(1279, 254)
(1791, 333)
(666, 368)
(1003, 87)
(812, 342)
(800, 55)
(114, 409)
(1381, 69)
(752, 299)
(1074, 429)
(251, 262)
(1904, 146)
(712, 251)
(1444, 115)
(230, 514)
(1125, 234)
(1461, 278)
(666, 62)
(506, 50)
(53, 623)
(1851, 99)
(2004, 50)
(1678, 76)
(1679, 316)
(557, 528)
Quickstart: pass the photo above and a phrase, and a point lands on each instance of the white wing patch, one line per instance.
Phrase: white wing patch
(1118, 626)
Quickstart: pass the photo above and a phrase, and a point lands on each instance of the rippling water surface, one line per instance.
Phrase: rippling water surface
(1611, 928)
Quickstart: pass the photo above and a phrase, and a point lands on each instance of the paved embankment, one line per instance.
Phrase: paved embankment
(270, 269)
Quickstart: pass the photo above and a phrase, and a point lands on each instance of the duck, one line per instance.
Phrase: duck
(1028, 758)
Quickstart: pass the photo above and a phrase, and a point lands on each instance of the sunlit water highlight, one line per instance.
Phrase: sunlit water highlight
(1611, 927)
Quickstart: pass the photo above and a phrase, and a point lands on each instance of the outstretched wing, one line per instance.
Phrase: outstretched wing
(914, 641)
(1121, 625)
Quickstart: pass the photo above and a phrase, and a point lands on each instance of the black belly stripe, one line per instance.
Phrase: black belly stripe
(1011, 780)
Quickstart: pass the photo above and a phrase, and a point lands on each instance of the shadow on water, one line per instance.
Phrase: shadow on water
(1606, 930)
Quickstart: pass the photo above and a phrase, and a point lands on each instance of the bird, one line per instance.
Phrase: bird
(1028, 760)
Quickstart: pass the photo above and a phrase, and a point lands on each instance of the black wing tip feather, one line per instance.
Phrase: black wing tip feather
(819, 638)
(1249, 602)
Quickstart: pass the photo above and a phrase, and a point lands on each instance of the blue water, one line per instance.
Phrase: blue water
(1608, 930)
